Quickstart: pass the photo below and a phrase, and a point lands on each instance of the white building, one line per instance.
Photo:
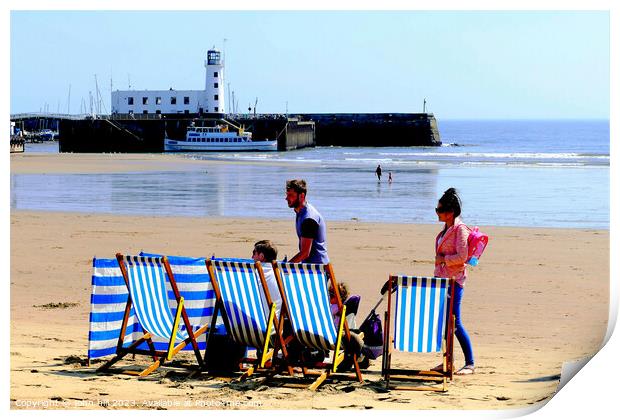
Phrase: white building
(209, 100)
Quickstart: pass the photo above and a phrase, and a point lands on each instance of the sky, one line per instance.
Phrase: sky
(466, 64)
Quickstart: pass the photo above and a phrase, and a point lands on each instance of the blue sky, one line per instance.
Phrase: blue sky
(467, 64)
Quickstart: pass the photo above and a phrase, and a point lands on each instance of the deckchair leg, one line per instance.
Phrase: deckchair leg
(173, 336)
(317, 383)
(110, 362)
(122, 352)
(151, 368)
(339, 357)
(268, 354)
(247, 373)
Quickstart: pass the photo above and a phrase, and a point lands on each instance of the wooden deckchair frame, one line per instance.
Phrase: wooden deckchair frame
(409, 375)
(326, 369)
(267, 355)
(159, 357)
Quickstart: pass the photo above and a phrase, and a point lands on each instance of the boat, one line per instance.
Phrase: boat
(46, 135)
(218, 139)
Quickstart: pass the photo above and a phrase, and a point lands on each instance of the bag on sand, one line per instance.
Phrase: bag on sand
(373, 336)
(223, 354)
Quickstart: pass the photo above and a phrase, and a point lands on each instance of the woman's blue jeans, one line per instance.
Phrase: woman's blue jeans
(459, 331)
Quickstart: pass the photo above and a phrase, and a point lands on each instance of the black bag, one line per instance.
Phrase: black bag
(223, 354)
(373, 336)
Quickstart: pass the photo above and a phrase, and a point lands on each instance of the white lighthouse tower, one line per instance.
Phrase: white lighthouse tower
(214, 82)
(171, 101)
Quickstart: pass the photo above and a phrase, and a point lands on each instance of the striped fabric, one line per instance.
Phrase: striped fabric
(147, 287)
(109, 296)
(241, 291)
(305, 287)
(421, 308)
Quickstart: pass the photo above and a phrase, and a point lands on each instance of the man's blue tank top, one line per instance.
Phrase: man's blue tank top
(318, 253)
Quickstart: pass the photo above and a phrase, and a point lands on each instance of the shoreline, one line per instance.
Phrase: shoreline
(526, 275)
(228, 188)
(121, 163)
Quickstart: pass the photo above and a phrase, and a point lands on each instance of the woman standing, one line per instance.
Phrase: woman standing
(450, 258)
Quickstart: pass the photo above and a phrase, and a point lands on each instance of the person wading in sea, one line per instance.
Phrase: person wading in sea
(310, 225)
(378, 172)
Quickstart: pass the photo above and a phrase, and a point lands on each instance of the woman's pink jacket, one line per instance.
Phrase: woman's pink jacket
(453, 245)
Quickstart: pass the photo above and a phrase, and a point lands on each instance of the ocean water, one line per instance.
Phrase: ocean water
(509, 173)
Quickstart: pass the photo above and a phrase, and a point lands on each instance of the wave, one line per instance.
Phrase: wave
(495, 155)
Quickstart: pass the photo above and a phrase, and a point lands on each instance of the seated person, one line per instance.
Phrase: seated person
(265, 252)
(356, 343)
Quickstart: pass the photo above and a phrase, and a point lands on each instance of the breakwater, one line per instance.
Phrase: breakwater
(375, 130)
(145, 133)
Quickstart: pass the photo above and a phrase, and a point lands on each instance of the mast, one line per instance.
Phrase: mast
(97, 103)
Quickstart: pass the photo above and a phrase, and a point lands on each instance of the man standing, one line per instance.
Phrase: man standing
(309, 223)
(378, 172)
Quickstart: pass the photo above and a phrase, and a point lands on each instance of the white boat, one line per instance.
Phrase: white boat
(218, 139)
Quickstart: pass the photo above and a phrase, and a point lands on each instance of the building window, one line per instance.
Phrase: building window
(145, 112)
(214, 74)
(173, 100)
(215, 109)
(130, 100)
(187, 111)
(186, 100)
(145, 100)
(215, 97)
(158, 100)
(216, 85)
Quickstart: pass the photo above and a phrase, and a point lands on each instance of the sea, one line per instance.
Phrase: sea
(552, 173)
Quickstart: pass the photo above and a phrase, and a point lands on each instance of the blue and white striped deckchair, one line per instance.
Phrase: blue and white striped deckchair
(145, 278)
(109, 297)
(240, 286)
(305, 298)
(422, 324)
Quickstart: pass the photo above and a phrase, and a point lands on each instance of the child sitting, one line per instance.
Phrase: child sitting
(356, 343)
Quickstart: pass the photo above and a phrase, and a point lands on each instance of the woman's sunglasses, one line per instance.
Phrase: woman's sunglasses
(441, 210)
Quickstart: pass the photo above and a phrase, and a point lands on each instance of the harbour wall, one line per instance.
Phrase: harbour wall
(128, 135)
(145, 133)
(375, 130)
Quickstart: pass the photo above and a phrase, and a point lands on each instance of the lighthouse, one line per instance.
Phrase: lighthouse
(214, 82)
(173, 101)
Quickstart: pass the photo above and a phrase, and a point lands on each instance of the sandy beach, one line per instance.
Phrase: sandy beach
(538, 298)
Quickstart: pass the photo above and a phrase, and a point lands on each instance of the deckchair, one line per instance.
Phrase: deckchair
(109, 296)
(423, 323)
(239, 286)
(145, 277)
(306, 306)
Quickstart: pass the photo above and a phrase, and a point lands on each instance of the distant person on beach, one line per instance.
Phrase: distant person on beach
(309, 223)
(265, 252)
(378, 172)
(390, 177)
(450, 257)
